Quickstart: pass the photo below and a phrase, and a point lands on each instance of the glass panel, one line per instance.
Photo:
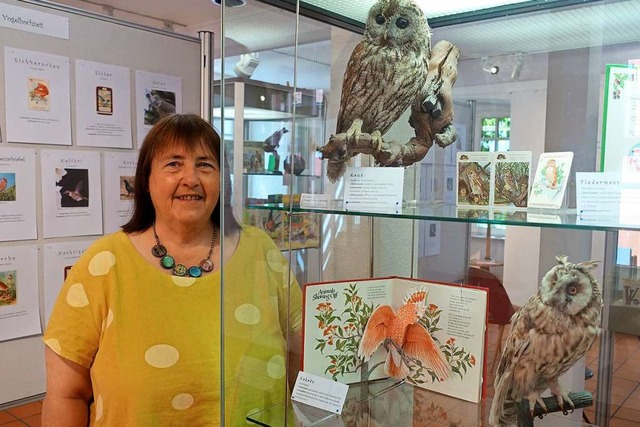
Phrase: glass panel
(543, 98)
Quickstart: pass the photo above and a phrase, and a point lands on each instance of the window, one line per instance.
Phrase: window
(495, 134)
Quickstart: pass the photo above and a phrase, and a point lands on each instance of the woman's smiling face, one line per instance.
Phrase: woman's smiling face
(184, 185)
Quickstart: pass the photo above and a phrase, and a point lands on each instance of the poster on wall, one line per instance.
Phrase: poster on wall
(449, 320)
(38, 106)
(118, 189)
(58, 260)
(157, 95)
(621, 122)
(103, 105)
(17, 194)
(71, 196)
(19, 307)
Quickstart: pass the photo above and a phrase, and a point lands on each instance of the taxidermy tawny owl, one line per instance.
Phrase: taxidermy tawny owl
(549, 334)
(384, 73)
(404, 338)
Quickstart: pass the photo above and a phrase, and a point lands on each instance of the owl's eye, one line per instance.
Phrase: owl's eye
(380, 19)
(572, 290)
(402, 23)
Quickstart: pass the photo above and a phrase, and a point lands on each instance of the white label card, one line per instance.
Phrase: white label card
(308, 200)
(598, 194)
(33, 21)
(319, 392)
(373, 187)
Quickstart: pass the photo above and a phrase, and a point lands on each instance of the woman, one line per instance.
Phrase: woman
(134, 338)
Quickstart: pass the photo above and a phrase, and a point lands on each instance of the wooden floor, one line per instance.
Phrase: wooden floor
(625, 400)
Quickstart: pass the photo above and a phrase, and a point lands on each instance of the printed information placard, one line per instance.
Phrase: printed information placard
(17, 194)
(58, 260)
(157, 95)
(37, 97)
(19, 308)
(319, 392)
(118, 189)
(103, 105)
(71, 193)
(373, 188)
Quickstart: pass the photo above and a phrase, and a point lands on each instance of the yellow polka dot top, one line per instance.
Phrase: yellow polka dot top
(152, 340)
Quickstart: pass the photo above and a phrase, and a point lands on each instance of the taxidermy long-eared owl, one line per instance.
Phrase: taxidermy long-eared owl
(384, 73)
(549, 334)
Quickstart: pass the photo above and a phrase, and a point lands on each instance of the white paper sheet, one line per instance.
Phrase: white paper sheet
(37, 97)
(19, 308)
(156, 95)
(71, 196)
(103, 105)
(17, 194)
(58, 260)
(118, 189)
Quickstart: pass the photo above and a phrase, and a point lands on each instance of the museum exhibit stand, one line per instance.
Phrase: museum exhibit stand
(553, 98)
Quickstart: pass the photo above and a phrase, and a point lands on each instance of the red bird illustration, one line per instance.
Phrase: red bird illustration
(404, 338)
(3, 184)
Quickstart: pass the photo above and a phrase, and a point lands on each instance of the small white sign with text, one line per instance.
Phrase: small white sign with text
(373, 187)
(319, 392)
(309, 201)
(33, 21)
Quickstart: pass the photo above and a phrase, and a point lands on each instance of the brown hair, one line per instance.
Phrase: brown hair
(192, 132)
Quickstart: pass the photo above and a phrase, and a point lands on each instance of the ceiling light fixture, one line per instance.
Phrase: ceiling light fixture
(489, 68)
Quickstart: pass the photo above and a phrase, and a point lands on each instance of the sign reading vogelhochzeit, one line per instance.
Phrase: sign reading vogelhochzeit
(33, 21)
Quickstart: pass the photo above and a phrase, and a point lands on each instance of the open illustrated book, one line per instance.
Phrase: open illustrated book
(454, 316)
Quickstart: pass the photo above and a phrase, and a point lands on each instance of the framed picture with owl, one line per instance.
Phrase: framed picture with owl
(550, 180)
(473, 177)
(510, 179)
(357, 330)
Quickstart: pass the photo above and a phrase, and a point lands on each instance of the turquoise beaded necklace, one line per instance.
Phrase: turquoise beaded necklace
(169, 263)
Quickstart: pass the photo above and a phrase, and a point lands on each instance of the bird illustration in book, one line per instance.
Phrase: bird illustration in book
(3, 183)
(549, 334)
(404, 338)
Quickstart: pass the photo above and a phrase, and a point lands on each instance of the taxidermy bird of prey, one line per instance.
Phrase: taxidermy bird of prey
(384, 74)
(404, 338)
(273, 141)
(548, 336)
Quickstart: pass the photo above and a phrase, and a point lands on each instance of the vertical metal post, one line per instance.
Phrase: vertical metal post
(206, 74)
(605, 360)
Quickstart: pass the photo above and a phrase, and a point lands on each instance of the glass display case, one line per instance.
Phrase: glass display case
(547, 95)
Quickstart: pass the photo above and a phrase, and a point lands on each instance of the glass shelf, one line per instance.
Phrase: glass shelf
(389, 403)
(302, 175)
(566, 218)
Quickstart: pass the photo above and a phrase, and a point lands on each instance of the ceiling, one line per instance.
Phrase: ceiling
(257, 26)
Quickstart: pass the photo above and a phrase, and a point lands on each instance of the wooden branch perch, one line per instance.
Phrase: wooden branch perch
(431, 118)
(581, 399)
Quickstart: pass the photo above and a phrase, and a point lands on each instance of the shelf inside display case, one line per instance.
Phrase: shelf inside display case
(566, 218)
(391, 403)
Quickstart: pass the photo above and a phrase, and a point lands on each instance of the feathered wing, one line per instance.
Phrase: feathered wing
(376, 331)
(516, 345)
(395, 366)
(419, 344)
